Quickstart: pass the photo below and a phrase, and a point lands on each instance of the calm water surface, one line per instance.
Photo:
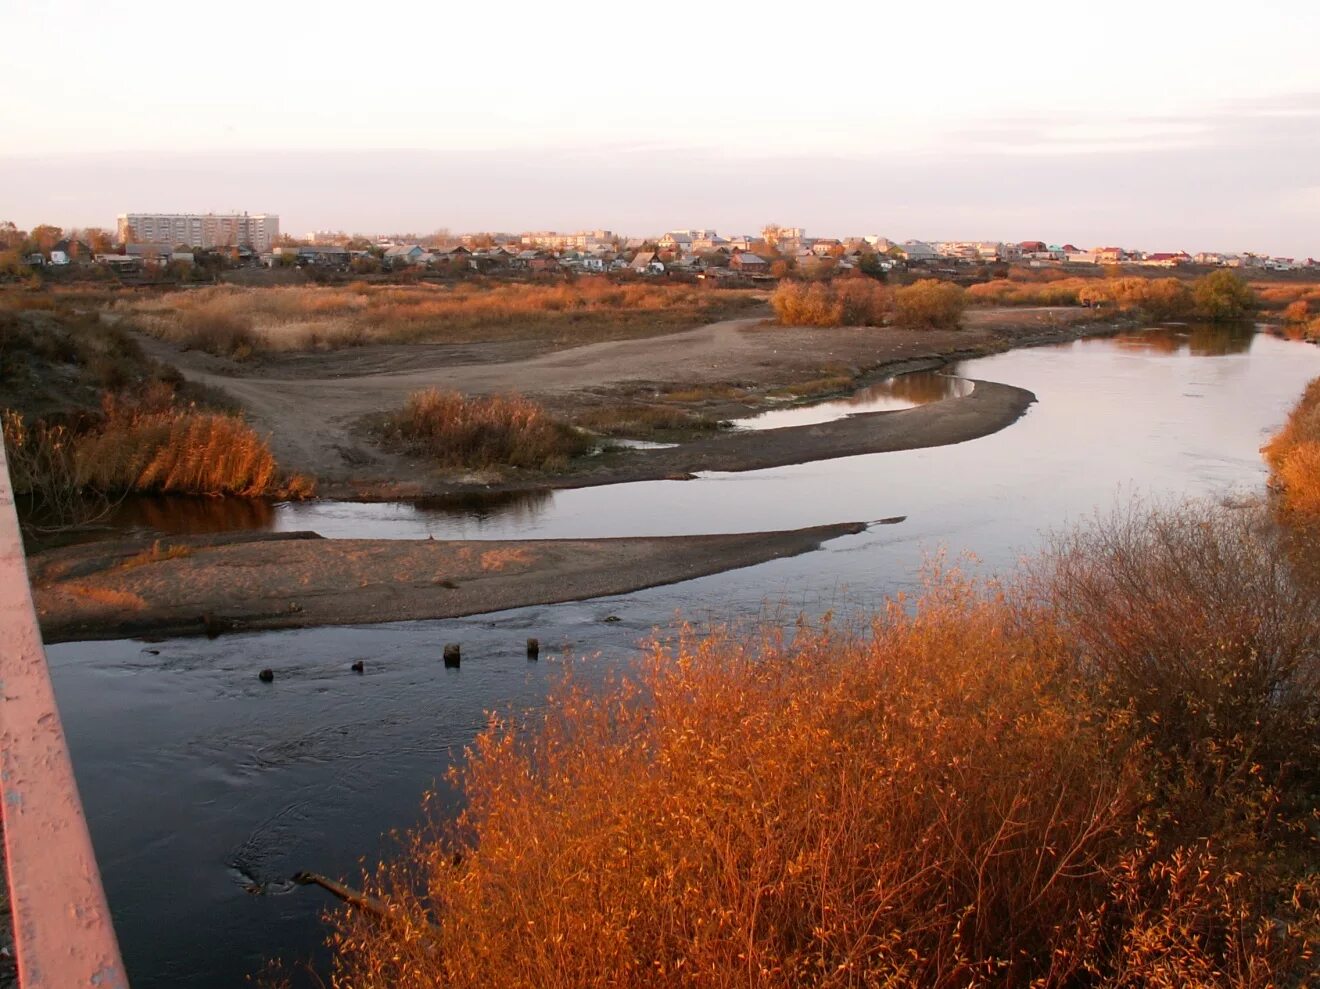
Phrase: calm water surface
(199, 781)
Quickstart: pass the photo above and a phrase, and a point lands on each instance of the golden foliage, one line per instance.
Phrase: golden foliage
(146, 447)
(1293, 455)
(960, 795)
(929, 304)
(842, 302)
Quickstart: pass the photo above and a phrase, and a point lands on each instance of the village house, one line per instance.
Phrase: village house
(647, 263)
(1164, 259)
(402, 255)
(749, 263)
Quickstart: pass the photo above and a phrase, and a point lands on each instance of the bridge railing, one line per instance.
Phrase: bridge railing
(63, 935)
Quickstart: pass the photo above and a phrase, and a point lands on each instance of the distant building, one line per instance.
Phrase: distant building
(257, 231)
(583, 240)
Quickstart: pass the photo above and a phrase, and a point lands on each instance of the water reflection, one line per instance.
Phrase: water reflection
(1196, 339)
(481, 506)
(904, 391)
(188, 515)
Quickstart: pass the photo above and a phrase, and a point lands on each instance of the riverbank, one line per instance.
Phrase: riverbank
(206, 585)
(317, 408)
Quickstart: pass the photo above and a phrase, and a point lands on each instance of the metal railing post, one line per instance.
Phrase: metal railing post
(63, 935)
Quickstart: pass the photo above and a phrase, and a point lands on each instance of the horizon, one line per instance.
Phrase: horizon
(1143, 128)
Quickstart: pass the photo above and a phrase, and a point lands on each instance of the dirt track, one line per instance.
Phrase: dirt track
(312, 405)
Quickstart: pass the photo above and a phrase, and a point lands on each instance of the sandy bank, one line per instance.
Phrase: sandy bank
(198, 585)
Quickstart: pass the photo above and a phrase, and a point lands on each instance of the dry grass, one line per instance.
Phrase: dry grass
(108, 596)
(241, 321)
(1293, 456)
(157, 554)
(641, 420)
(476, 432)
(1102, 776)
(1158, 298)
(145, 447)
(497, 560)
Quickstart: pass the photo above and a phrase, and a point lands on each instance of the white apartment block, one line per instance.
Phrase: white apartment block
(257, 231)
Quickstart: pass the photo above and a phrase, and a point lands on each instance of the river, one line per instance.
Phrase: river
(201, 782)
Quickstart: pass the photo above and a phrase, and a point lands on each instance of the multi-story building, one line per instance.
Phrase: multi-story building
(257, 231)
(583, 240)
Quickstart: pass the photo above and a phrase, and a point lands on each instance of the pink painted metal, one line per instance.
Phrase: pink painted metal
(62, 929)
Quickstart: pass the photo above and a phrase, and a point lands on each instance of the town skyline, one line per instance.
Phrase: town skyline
(1143, 126)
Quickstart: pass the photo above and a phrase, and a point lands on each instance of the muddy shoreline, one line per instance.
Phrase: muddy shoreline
(257, 582)
(991, 407)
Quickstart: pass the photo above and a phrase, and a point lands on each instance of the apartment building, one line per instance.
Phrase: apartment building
(257, 231)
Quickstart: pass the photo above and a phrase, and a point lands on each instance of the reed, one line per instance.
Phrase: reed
(475, 432)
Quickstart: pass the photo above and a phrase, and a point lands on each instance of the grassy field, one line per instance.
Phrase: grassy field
(241, 322)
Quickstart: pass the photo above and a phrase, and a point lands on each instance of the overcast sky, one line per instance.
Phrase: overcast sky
(1160, 126)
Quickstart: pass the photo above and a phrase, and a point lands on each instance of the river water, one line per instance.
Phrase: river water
(201, 782)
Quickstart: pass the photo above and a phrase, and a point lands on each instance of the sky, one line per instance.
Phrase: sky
(1147, 125)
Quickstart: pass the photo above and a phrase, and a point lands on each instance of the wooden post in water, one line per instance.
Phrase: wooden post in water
(452, 655)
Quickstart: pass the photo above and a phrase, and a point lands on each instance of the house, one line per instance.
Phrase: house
(67, 251)
(320, 255)
(1110, 255)
(401, 255)
(1028, 247)
(1164, 259)
(677, 241)
(646, 263)
(749, 263)
(916, 250)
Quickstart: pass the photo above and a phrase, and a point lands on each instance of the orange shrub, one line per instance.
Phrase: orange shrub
(145, 449)
(929, 304)
(960, 795)
(1293, 455)
(842, 302)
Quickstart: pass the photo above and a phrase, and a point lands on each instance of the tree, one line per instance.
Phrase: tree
(1222, 296)
(44, 237)
(11, 238)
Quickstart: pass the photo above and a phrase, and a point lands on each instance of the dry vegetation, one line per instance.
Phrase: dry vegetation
(87, 415)
(1221, 295)
(240, 322)
(1105, 774)
(926, 304)
(143, 447)
(477, 432)
(1293, 456)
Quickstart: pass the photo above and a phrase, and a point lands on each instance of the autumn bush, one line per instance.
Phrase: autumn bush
(1219, 296)
(1293, 455)
(929, 304)
(483, 431)
(842, 302)
(1105, 773)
